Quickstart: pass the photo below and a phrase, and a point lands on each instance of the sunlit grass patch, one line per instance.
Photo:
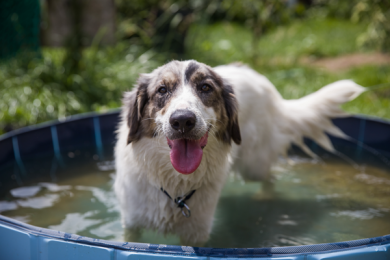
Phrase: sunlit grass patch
(227, 42)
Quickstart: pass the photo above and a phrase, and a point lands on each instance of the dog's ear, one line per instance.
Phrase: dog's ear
(231, 106)
(134, 102)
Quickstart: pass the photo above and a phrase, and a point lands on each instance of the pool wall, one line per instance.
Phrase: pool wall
(21, 241)
(62, 139)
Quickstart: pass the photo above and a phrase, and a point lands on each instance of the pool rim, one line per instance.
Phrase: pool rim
(196, 251)
(86, 115)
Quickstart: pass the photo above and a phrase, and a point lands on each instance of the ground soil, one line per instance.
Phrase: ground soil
(346, 62)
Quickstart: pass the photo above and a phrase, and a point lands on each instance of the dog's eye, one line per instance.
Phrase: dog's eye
(205, 88)
(162, 90)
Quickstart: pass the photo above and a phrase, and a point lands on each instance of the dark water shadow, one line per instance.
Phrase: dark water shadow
(246, 222)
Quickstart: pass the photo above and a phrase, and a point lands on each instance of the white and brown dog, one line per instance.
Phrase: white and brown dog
(185, 124)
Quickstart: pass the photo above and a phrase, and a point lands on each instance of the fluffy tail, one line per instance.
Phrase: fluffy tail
(311, 115)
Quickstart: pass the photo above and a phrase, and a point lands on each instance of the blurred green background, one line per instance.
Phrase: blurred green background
(63, 57)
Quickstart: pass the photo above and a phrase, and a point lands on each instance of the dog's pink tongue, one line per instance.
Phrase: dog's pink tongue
(186, 155)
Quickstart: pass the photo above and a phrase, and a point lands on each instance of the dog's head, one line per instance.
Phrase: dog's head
(184, 102)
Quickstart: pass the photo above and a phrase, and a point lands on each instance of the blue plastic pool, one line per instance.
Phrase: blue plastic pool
(21, 149)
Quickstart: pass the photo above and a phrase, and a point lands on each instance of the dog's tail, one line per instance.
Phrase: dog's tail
(311, 115)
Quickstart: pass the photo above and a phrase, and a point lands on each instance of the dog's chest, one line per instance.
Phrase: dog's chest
(159, 212)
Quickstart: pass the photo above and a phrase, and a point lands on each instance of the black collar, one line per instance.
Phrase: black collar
(180, 201)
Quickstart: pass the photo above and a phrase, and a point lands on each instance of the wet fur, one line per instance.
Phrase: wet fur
(245, 109)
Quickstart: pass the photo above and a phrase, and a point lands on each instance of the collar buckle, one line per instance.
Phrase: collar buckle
(185, 210)
(180, 202)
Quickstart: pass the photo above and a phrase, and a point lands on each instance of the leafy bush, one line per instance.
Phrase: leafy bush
(259, 16)
(372, 14)
(162, 24)
(377, 14)
(332, 9)
(41, 89)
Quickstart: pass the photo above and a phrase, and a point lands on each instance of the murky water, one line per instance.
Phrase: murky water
(312, 203)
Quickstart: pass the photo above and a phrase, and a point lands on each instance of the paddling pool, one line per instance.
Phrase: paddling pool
(68, 142)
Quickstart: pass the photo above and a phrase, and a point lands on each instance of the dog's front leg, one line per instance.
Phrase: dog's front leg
(184, 242)
(194, 238)
(195, 231)
(267, 188)
(132, 234)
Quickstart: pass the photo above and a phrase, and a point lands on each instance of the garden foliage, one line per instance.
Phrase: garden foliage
(272, 36)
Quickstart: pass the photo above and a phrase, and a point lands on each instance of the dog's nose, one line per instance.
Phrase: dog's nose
(182, 120)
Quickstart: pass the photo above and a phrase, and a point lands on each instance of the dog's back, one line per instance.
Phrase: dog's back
(270, 124)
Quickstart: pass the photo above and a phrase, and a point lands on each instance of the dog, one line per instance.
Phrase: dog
(185, 124)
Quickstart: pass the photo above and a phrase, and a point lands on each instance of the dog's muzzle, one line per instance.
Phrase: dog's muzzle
(186, 145)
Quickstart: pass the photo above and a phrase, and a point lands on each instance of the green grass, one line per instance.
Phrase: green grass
(281, 50)
(318, 38)
(376, 101)
(227, 42)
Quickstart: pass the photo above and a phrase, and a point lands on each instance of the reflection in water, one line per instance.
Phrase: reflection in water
(111, 230)
(24, 192)
(7, 205)
(370, 179)
(76, 222)
(360, 214)
(39, 202)
(312, 203)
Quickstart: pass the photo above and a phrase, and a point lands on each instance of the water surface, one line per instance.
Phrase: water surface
(312, 203)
